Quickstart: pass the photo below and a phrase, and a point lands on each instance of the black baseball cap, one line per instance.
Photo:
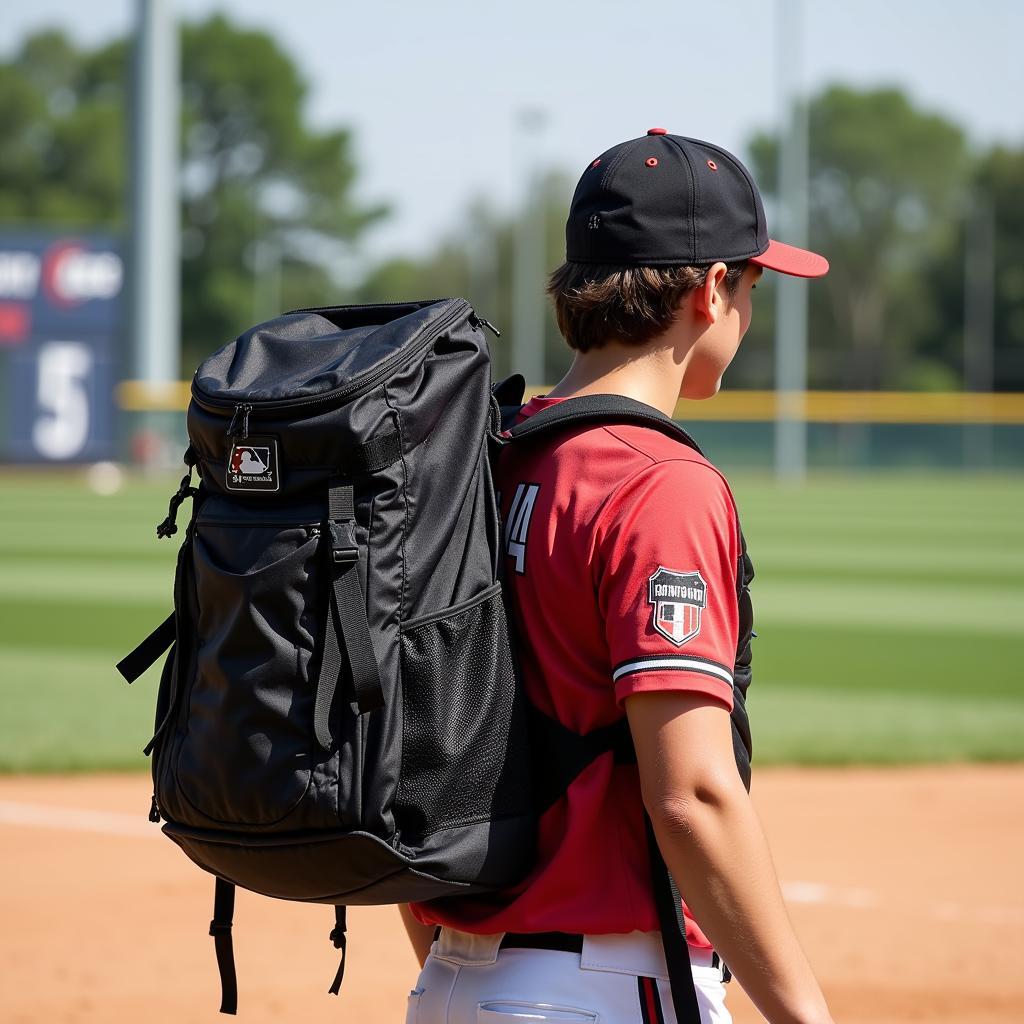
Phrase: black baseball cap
(664, 199)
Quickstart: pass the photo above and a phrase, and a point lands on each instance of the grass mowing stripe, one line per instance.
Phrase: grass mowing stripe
(68, 710)
(799, 726)
(864, 661)
(887, 605)
(781, 562)
(90, 560)
(921, 537)
(55, 582)
(59, 625)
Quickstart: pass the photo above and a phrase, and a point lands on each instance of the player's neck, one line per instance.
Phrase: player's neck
(651, 373)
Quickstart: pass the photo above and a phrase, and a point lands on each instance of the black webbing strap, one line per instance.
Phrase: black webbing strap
(561, 754)
(373, 455)
(220, 929)
(673, 934)
(348, 632)
(340, 942)
(131, 666)
(597, 409)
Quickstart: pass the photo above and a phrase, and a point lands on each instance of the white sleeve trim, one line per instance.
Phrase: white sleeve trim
(673, 663)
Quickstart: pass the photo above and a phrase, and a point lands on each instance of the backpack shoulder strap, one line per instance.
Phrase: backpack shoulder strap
(595, 410)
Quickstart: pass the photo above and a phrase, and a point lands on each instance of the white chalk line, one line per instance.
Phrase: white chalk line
(74, 819)
(112, 823)
(818, 892)
(864, 899)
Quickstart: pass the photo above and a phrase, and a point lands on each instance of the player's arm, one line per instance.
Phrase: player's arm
(713, 844)
(420, 935)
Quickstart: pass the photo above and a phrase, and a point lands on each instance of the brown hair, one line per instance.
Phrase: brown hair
(596, 302)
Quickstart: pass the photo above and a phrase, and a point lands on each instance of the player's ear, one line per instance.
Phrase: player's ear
(708, 303)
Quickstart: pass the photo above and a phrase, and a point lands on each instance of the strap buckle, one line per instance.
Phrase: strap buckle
(344, 549)
(220, 928)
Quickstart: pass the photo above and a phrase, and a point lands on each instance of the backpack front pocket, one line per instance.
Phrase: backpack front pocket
(246, 758)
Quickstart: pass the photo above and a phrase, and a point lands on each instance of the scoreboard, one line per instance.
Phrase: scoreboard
(60, 345)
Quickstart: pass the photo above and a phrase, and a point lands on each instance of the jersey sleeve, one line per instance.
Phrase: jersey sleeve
(667, 555)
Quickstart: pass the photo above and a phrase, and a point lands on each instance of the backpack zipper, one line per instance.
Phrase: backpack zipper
(478, 321)
(242, 409)
(338, 395)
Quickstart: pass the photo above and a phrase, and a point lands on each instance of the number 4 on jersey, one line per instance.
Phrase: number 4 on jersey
(518, 525)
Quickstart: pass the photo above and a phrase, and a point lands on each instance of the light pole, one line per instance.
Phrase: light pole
(155, 267)
(791, 307)
(155, 220)
(979, 319)
(527, 342)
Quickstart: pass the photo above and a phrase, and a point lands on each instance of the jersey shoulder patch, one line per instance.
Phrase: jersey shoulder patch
(677, 600)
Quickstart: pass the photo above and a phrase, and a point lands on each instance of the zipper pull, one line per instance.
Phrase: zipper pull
(242, 410)
(234, 420)
(154, 810)
(479, 321)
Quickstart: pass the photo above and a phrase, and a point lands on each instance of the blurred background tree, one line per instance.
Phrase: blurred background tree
(267, 200)
(996, 186)
(267, 205)
(63, 125)
(888, 184)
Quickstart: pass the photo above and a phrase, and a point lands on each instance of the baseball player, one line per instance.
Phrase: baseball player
(622, 547)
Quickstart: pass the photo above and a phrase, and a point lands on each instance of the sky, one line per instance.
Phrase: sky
(435, 92)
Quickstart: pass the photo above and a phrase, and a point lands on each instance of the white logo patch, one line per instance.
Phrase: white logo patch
(252, 465)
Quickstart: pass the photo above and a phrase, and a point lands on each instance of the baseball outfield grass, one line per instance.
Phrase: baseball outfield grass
(890, 614)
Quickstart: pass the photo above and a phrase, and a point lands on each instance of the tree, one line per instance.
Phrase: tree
(62, 121)
(1000, 177)
(264, 195)
(267, 206)
(887, 185)
(995, 189)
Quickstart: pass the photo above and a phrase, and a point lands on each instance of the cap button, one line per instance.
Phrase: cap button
(657, 131)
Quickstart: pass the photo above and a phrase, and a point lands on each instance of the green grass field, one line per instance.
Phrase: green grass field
(890, 614)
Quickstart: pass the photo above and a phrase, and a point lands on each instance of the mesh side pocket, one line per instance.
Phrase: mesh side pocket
(464, 750)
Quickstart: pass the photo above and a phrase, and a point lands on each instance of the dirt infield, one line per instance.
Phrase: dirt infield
(905, 887)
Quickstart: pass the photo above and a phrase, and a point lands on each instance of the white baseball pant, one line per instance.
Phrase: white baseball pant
(618, 979)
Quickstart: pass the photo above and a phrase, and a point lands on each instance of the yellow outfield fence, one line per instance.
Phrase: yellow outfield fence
(738, 406)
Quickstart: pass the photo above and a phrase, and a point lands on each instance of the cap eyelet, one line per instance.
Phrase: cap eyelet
(651, 161)
(596, 162)
(713, 165)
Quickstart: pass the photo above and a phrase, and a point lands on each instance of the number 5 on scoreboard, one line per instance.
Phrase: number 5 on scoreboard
(64, 370)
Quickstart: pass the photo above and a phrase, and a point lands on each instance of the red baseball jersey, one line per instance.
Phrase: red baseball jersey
(621, 549)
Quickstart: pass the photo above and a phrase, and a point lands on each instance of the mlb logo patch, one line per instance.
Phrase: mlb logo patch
(252, 465)
(678, 598)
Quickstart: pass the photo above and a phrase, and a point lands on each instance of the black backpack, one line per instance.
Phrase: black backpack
(339, 719)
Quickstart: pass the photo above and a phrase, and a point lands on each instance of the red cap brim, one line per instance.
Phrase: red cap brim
(788, 259)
